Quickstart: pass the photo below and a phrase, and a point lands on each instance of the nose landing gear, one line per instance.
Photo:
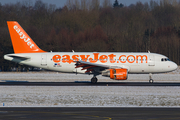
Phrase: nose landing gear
(150, 78)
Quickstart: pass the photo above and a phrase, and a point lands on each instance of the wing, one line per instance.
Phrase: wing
(93, 67)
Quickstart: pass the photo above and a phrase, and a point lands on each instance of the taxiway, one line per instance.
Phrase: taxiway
(92, 113)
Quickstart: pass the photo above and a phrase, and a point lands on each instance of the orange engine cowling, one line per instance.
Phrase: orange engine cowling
(119, 74)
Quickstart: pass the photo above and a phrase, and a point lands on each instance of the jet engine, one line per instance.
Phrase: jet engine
(116, 74)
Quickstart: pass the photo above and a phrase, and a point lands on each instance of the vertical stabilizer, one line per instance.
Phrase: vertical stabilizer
(21, 41)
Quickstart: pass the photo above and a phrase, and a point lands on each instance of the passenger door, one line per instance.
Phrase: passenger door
(43, 60)
(151, 60)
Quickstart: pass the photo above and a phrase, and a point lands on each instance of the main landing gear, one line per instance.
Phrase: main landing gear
(94, 80)
(150, 78)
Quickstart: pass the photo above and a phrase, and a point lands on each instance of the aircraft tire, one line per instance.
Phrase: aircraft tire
(151, 81)
(94, 80)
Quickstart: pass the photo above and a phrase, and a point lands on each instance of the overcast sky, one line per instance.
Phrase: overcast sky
(61, 3)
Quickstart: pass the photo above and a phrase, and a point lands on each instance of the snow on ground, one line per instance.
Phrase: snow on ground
(90, 96)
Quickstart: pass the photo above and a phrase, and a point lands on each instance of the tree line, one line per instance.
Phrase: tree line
(88, 25)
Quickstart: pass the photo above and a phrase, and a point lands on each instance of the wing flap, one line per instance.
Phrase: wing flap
(91, 67)
(83, 63)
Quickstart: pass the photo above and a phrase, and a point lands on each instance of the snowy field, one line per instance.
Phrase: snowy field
(90, 96)
(87, 96)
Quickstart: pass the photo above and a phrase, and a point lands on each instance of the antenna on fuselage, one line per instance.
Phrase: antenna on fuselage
(149, 51)
(73, 51)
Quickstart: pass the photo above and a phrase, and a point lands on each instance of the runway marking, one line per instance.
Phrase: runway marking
(105, 118)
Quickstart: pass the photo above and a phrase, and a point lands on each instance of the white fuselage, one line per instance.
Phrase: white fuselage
(137, 63)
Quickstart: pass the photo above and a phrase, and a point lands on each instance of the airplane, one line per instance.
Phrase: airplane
(115, 65)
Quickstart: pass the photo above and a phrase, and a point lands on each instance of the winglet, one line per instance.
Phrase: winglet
(21, 41)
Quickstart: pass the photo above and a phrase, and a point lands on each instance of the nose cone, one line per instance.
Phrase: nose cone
(174, 66)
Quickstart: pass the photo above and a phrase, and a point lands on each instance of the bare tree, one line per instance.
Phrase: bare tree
(69, 4)
(84, 4)
(106, 3)
(94, 4)
(77, 4)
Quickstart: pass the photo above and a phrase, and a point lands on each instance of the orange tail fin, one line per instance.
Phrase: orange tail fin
(21, 41)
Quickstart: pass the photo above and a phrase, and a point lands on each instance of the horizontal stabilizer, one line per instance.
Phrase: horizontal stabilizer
(19, 57)
(16, 57)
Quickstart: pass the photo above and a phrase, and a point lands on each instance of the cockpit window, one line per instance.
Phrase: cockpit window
(165, 59)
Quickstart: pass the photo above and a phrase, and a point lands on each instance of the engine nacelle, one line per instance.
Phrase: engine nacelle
(116, 74)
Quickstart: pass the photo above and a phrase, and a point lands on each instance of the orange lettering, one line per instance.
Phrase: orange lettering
(111, 57)
(84, 58)
(137, 56)
(102, 57)
(120, 58)
(66, 58)
(56, 58)
(128, 58)
(95, 58)
(75, 57)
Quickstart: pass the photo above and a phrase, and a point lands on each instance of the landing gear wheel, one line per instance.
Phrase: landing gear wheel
(150, 78)
(94, 80)
(151, 81)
